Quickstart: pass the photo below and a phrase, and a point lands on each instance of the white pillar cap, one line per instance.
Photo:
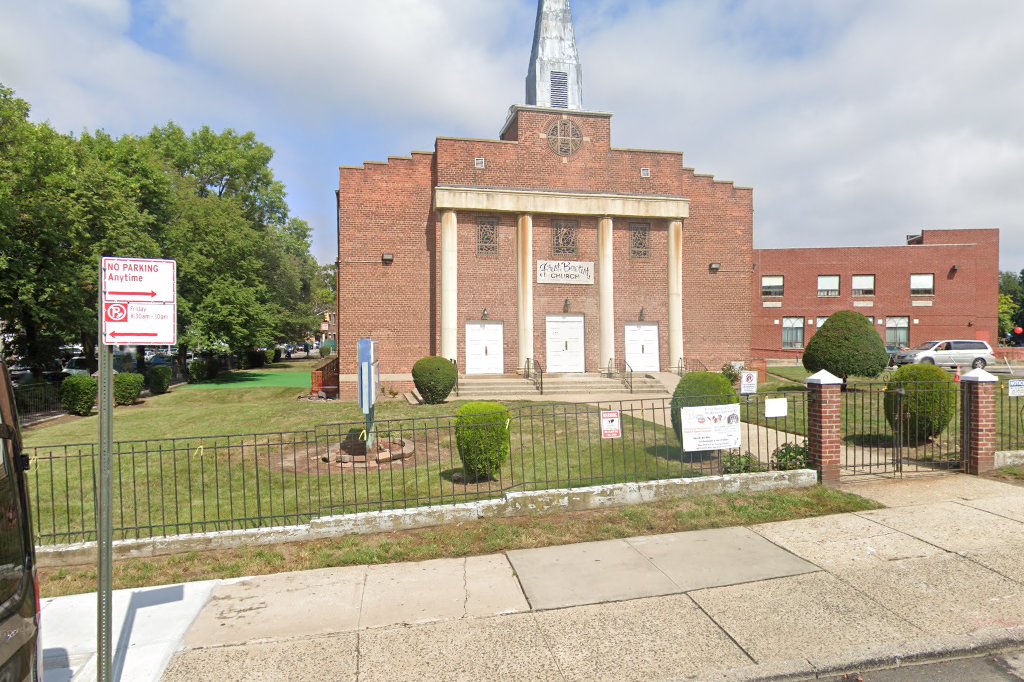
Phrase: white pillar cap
(979, 376)
(823, 378)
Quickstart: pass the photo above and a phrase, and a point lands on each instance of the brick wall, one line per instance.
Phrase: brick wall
(965, 304)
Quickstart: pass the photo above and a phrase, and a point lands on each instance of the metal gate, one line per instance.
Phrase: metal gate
(911, 428)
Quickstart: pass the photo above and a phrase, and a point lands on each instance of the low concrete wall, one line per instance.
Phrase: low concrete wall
(1009, 458)
(511, 504)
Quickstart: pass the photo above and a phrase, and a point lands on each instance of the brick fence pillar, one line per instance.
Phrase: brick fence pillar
(978, 420)
(825, 425)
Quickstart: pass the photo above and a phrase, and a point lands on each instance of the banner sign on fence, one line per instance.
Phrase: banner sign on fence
(776, 407)
(1016, 388)
(711, 427)
(611, 424)
(748, 383)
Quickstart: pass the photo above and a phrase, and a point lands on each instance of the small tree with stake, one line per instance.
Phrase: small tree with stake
(847, 345)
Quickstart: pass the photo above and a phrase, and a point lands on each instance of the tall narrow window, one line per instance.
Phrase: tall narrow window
(566, 239)
(828, 285)
(922, 285)
(897, 331)
(559, 89)
(487, 237)
(639, 240)
(792, 332)
(863, 285)
(772, 285)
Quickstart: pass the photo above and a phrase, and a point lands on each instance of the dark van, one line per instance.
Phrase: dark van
(19, 585)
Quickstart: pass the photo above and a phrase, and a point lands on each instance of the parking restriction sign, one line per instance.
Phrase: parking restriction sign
(139, 301)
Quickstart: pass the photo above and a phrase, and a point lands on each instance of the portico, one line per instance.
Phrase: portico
(611, 212)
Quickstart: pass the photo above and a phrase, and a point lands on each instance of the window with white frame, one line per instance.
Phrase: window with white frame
(922, 285)
(863, 285)
(897, 331)
(820, 321)
(792, 332)
(772, 285)
(828, 285)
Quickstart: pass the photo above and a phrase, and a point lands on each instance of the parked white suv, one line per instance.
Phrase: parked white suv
(950, 353)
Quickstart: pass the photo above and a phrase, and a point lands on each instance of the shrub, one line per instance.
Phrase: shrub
(278, 354)
(790, 456)
(730, 372)
(127, 387)
(325, 351)
(197, 371)
(159, 379)
(846, 345)
(213, 367)
(920, 401)
(434, 378)
(268, 356)
(78, 395)
(254, 359)
(700, 388)
(481, 435)
(740, 464)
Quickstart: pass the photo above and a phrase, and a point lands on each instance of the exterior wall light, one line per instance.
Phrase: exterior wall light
(485, 315)
(387, 258)
(643, 314)
(714, 267)
(566, 306)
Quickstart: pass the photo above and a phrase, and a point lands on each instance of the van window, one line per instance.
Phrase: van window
(970, 345)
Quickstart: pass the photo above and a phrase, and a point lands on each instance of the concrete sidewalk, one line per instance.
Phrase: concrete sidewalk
(937, 573)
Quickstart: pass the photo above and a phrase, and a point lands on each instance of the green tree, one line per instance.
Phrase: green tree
(846, 345)
(1009, 311)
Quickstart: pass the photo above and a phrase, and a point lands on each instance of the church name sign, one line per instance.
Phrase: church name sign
(565, 272)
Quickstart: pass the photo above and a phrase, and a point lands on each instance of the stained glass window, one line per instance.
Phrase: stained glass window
(565, 137)
(566, 239)
(487, 237)
(639, 240)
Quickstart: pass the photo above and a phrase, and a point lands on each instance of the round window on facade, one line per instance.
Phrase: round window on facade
(565, 137)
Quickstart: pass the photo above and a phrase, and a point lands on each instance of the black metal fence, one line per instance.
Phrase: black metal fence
(1010, 421)
(891, 430)
(190, 485)
(37, 401)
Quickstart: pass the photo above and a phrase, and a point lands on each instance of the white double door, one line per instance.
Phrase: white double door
(565, 344)
(485, 348)
(642, 347)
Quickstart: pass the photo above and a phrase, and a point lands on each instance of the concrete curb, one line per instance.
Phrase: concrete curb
(509, 505)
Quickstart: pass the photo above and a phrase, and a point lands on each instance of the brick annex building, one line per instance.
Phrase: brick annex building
(550, 245)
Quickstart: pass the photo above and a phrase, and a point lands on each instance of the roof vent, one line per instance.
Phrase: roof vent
(645, 172)
(480, 163)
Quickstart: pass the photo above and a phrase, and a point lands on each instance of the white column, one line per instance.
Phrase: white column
(675, 292)
(606, 290)
(524, 254)
(449, 285)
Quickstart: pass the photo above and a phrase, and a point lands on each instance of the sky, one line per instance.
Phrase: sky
(857, 122)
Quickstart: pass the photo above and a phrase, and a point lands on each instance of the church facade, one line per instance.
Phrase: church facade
(549, 246)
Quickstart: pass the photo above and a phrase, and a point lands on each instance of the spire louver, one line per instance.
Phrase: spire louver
(555, 78)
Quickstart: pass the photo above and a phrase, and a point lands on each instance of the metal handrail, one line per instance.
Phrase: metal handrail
(680, 367)
(696, 366)
(455, 362)
(611, 368)
(527, 368)
(539, 371)
(627, 375)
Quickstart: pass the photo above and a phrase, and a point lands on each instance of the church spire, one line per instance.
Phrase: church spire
(555, 78)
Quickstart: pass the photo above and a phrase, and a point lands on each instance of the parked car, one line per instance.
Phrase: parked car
(949, 353)
(77, 365)
(20, 656)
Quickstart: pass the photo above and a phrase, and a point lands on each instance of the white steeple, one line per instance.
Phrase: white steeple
(555, 78)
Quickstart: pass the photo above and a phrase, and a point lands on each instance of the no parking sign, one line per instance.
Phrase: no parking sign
(748, 383)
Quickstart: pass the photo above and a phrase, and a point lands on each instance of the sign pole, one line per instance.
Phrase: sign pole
(104, 522)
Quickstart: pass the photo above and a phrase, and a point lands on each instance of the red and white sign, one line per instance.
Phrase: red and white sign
(139, 279)
(611, 424)
(139, 301)
(748, 383)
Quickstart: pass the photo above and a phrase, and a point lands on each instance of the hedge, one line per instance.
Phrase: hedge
(159, 379)
(920, 401)
(78, 394)
(434, 378)
(127, 387)
(481, 435)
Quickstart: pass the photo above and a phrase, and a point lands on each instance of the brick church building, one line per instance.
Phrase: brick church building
(551, 246)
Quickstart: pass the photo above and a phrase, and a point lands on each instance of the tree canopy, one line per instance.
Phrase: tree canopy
(207, 199)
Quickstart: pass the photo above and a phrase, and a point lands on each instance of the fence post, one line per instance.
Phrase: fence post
(978, 420)
(825, 425)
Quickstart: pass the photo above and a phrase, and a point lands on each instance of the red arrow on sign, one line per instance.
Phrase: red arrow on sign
(132, 293)
(117, 334)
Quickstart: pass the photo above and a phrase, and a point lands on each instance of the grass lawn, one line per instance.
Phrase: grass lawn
(464, 539)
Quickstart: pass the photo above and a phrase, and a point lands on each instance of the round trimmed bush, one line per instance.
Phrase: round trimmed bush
(197, 371)
(127, 387)
(213, 367)
(700, 388)
(159, 379)
(78, 395)
(846, 345)
(434, 378)
(481, 435)
(920, 401)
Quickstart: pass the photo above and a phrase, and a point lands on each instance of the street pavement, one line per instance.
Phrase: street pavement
(935, 575)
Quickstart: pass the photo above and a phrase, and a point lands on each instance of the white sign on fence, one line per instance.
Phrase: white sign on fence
(1016, 388)
(711, 427)
(565, 272)
(776, 407)
(611, 424)
(748, 383)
